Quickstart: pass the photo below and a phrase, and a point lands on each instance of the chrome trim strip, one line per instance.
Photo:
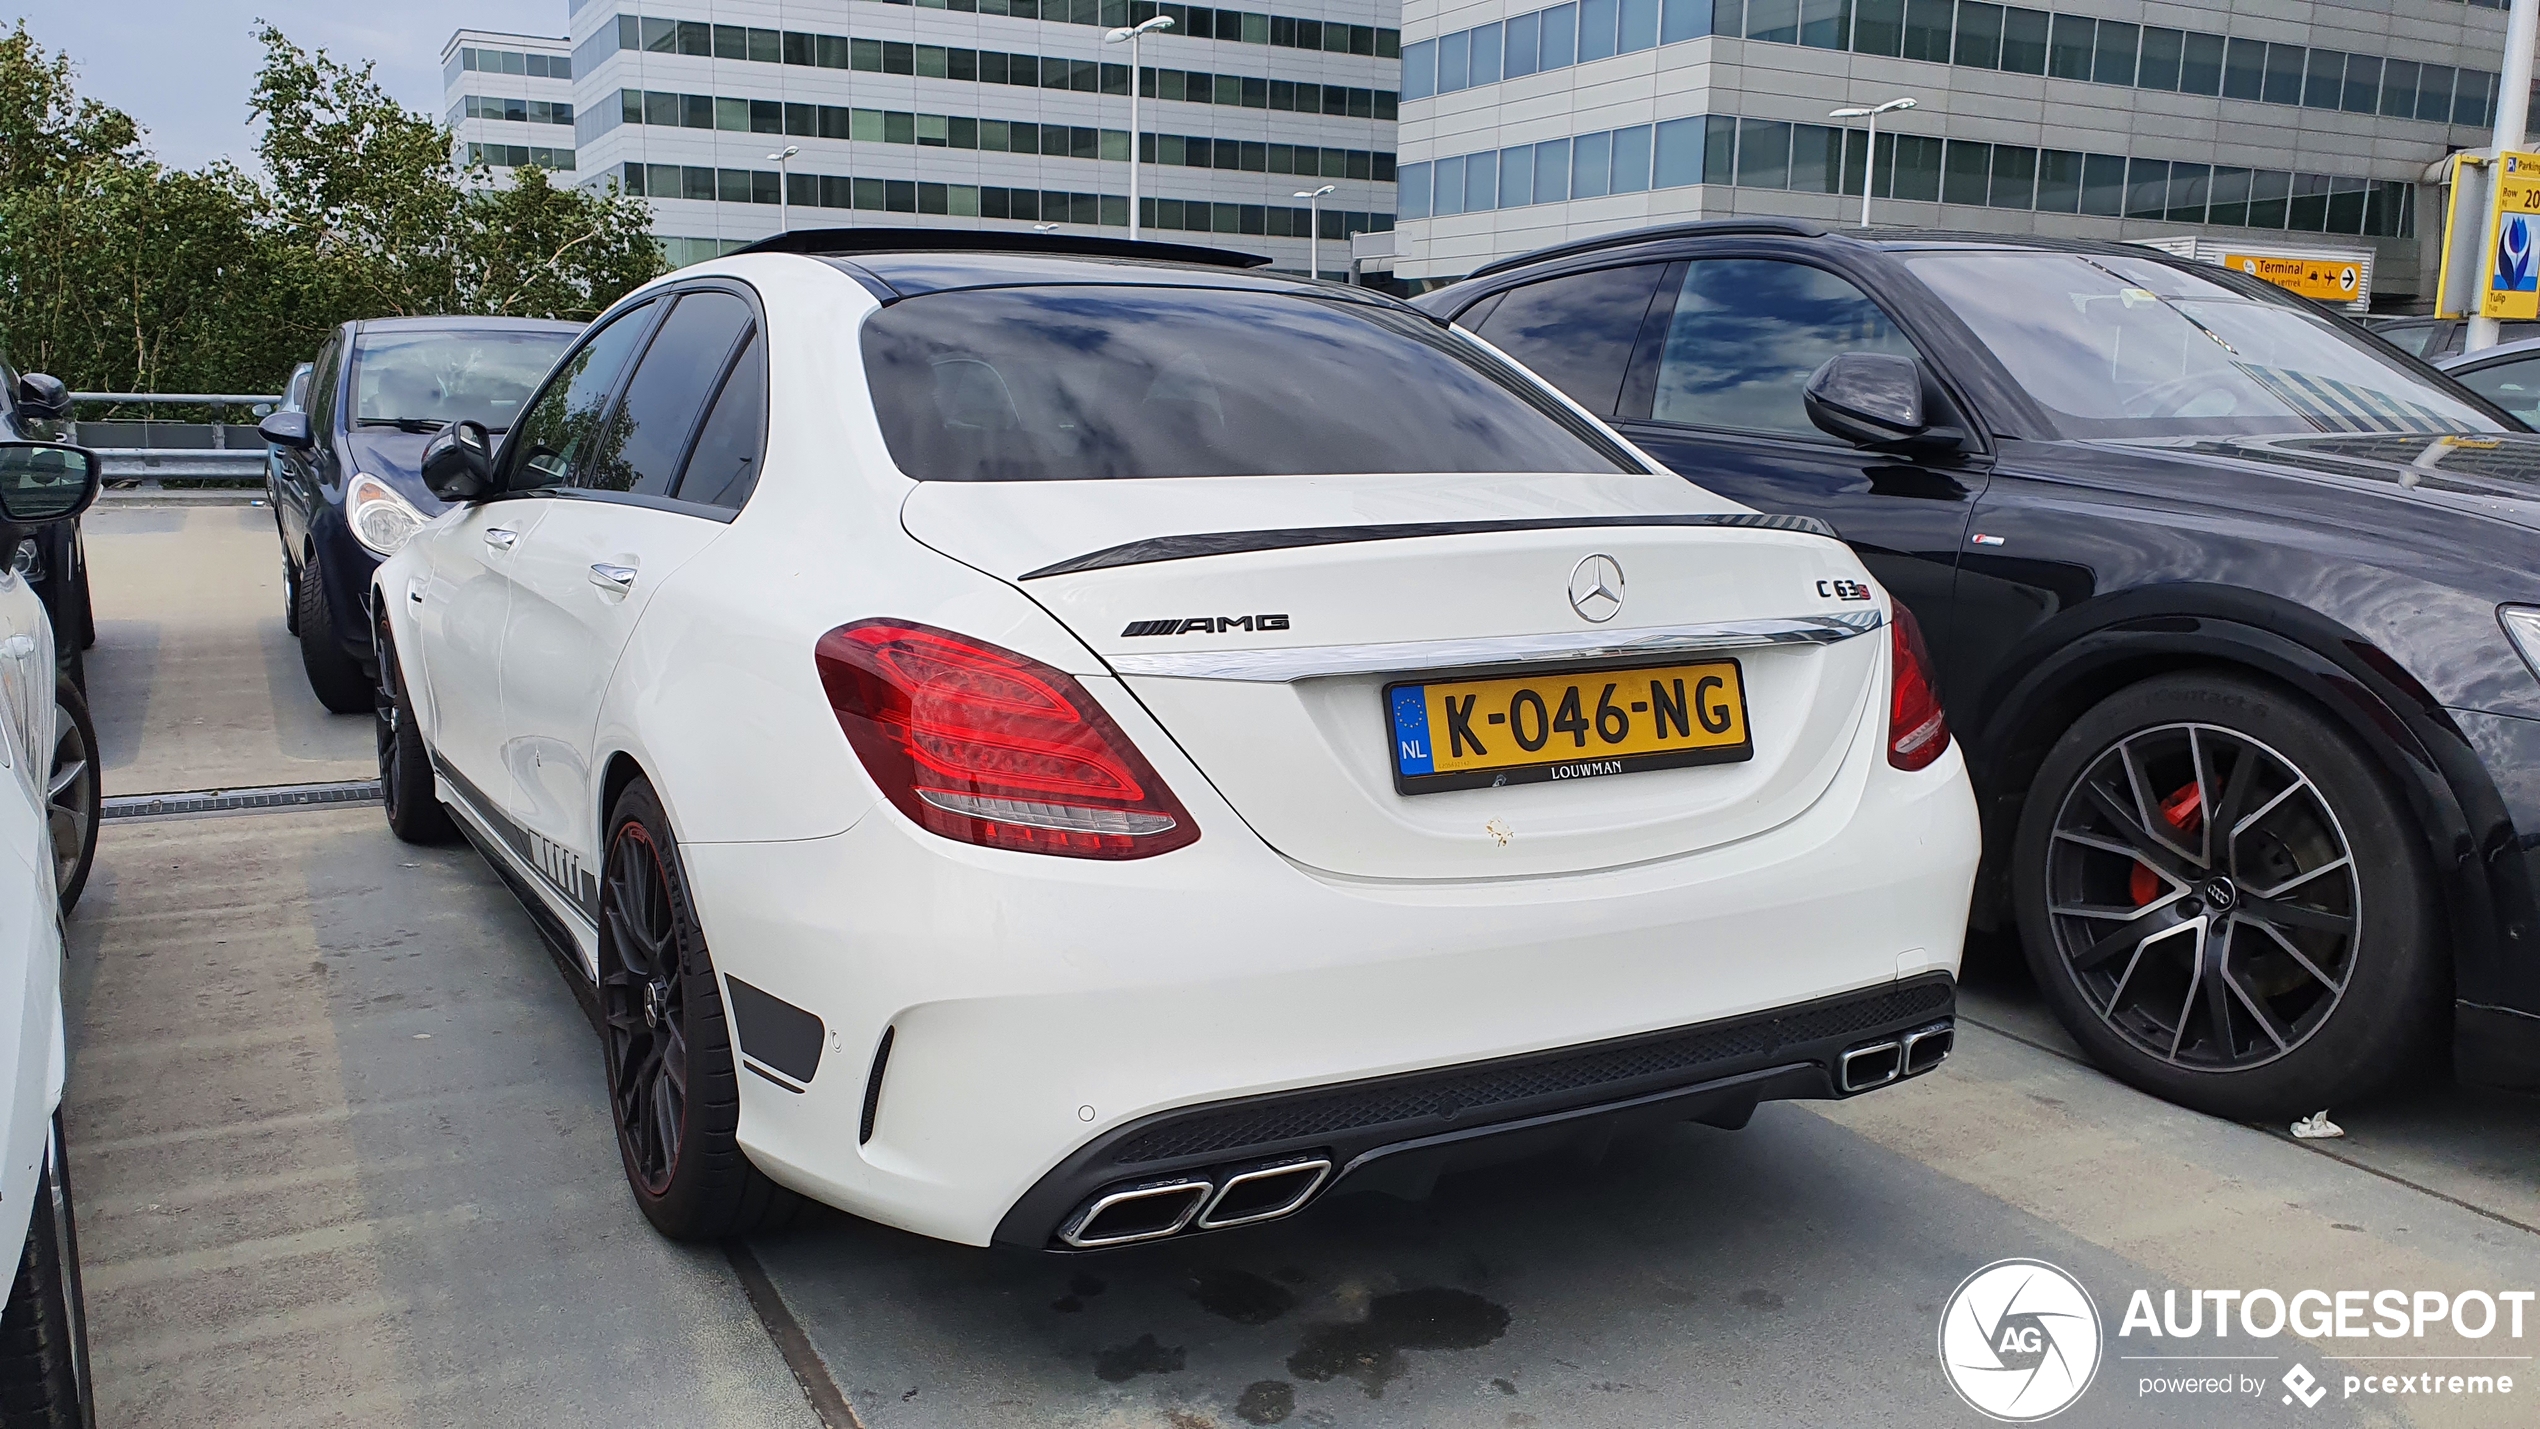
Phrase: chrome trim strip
(1307, 662)
(1320, 1166)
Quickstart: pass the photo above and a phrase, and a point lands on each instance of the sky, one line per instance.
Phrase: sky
(183, 67)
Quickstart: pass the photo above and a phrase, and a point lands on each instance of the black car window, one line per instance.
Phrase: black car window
(2513, 385)
(1576, 331)
(1093, 382)
(322, 384)
(666, 396)
(1749, 332)
(563, 424)
(2118, 346)
(723, 470)
(2412, 339)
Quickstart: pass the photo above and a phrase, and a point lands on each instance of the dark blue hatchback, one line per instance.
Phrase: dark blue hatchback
(347, 488)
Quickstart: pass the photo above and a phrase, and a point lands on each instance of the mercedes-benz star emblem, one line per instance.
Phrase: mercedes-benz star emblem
(1596, 588)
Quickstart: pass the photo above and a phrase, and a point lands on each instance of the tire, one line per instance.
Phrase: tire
(406, 788)
(290, 597)
(335, 676)
(44, 1333)
(2160, 949)
(660, 1007)
(82, 603)
(74, 795)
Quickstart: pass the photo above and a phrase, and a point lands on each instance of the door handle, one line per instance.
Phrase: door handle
(500, 539)
(18, 647)
(616, 580)
(414, 591)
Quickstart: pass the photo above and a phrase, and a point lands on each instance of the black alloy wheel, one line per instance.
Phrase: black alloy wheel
(646, 1007)
(73, 796)
(673, 1081)
(2225, 902)
(406, 789)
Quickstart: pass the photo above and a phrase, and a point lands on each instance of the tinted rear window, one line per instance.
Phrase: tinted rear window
(1084, 383)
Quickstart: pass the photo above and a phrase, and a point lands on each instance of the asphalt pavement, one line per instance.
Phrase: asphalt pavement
(337, 1126)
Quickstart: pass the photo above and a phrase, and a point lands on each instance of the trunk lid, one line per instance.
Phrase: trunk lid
(1266, 640)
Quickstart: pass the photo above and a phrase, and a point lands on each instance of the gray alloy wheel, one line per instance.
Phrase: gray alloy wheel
(2205, 897)
(72, 796)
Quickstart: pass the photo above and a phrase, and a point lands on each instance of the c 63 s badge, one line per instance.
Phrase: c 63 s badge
(1205, 625)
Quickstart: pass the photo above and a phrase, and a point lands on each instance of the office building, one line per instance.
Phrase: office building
(988, 113)
(509, 101)
(2291, 124)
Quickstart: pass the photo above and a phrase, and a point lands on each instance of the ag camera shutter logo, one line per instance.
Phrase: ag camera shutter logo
(2019, 1341)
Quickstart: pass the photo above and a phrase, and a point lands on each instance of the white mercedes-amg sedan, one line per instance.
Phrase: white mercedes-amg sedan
(1064, 743)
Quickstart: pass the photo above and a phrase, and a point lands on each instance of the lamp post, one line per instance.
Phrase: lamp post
(779, 159)
(1869, 168)
(1314, 228)
(1132, 34)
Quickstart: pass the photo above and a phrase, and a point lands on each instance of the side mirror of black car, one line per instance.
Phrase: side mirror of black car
(41, 394)
(287, 429)
(44, 482)
(458, 463)
(1874, 399)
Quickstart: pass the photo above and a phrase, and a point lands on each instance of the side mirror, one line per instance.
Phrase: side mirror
(43, 482)
(1873, 399)
(458, 463)
(287, 429)
(43, 395)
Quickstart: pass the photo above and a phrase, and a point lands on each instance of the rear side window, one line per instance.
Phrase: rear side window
(1577, 331)
(2514, 386)
(1087, 383)
(724, 468)
(666, 396)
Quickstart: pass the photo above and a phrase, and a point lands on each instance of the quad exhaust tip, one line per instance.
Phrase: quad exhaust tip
(1893, 1059)
(1209, 1202)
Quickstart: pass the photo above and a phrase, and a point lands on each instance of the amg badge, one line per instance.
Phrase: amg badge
(1206, 625)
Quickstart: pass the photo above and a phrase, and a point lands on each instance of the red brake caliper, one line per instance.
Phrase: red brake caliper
(2185, 810)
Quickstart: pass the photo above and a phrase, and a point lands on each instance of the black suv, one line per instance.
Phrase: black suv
(2236, 608)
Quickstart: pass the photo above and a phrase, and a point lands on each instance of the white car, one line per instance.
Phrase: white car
(47, 815)
(1062, 748)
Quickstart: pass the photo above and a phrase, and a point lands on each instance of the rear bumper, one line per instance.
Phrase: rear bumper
(1418, 1123)
(1040, 1006)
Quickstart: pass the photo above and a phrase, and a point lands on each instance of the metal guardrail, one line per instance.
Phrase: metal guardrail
(184, 450)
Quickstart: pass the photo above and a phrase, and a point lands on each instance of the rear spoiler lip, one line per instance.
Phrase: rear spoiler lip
(1227, 543)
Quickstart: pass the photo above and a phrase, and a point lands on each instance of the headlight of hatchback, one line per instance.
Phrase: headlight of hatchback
(2522, 622)
(380, 518)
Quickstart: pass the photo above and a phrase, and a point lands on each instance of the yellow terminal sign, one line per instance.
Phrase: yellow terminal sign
(2331, 279)
(2512, 289)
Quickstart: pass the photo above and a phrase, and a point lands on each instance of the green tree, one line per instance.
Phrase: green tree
(119, 273)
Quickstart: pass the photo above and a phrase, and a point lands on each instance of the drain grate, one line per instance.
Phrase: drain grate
(265, 799)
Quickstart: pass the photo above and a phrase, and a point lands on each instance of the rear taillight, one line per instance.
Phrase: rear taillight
(1917, 731)
(986, 746)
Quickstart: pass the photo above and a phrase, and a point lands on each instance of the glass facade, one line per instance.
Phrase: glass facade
(523, 111)
(489, 61)
(519, 156)
(1816, 158)
(1971, 33)
(762, 186)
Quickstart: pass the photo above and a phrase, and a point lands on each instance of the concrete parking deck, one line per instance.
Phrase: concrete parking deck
(337, 1126)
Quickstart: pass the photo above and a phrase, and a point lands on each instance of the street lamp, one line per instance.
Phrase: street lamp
(1314, 228)
(1132, 34)
(1870, 167)
(779, 160)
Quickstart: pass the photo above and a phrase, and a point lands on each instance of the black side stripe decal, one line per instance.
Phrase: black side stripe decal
(1223, 543)
(555, 865)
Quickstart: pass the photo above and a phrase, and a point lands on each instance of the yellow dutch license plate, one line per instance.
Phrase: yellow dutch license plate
(1574, 725)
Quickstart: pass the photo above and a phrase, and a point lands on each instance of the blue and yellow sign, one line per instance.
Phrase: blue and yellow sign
(2513, 270)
